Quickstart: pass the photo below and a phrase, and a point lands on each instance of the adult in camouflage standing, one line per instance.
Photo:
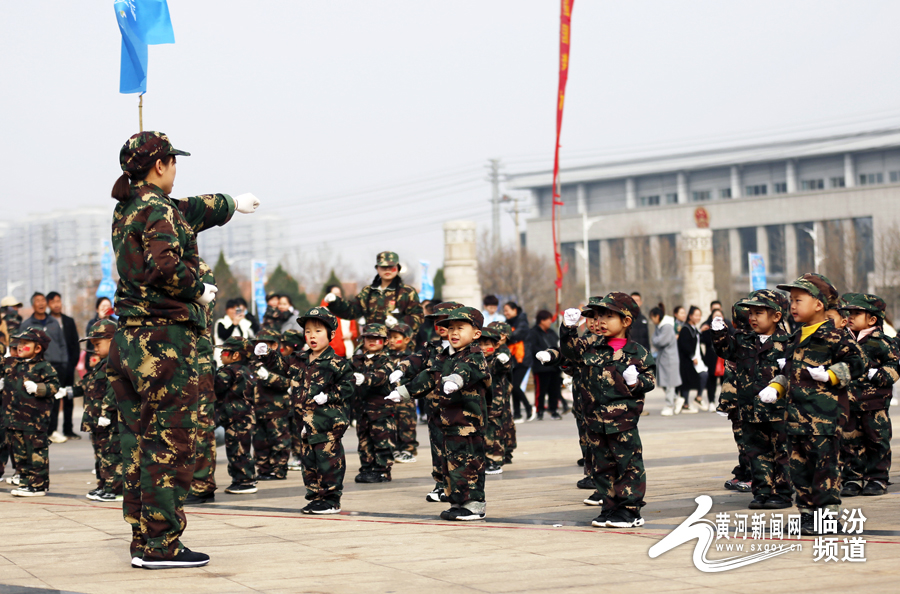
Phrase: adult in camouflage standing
(386, 301)
(161, 303)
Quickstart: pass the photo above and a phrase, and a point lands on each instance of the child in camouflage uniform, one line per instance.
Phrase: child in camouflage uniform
(866, 448)
(405, 443)
(6, 366)
(619, 372)
(742, 477)
(758, 357)
(375, 425)
(821, 361)
(321, 382)
(292, 343)
(272, 408)
(461, 383)
(33, 385)
(500, 366)
(235, 387)
(504, 384)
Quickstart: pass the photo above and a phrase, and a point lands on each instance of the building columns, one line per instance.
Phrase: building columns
(682, 188)
(849, 171)
(581, 198)
(630, 198)
(736, 182)
(791, 174)
(790, 252)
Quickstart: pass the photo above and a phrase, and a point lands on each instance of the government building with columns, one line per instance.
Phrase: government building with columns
(829, 204)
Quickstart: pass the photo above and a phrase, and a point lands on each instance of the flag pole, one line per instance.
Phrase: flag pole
(141, 112)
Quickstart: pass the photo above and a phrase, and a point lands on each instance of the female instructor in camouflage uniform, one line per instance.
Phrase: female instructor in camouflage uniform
(160, 301)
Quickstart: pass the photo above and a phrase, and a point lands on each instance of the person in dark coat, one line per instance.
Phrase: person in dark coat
(640, 329)
(73, 353)
(693, 368)
(518, 320)
(547, 377)
(711, 358)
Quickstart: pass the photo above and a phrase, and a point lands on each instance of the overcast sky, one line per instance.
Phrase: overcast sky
(314, 105)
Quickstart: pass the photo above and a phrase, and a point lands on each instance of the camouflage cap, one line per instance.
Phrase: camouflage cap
(768, 298)
(816, 285)
(872, 304)
(322, 314)
(403, 329)
(740, 316)
(142, 150)
(490, 334)
(236, 344)
(35, 335)
(387, 259)
(293, 338)
(442, 309)
(375, 331)
(590, 310)
(268, 335)
(504, 329)
(101, 329)
(621, 303)
(464, 314)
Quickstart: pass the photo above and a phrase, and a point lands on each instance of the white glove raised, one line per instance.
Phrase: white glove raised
(261, 349)
(359, 379)
(781, 363)
(390, 321)
(630, 375)
(103, 422)
(872, 373)
(2, 383)
(722, 414)
(567, 381)
(450, 387)
(544, 356)
(209, 293)
(571, 317)
(262, 373)
(60, 394)
(768, 394)
(395, 377)
(320, 399)
(30, 387)
(717, 324)
(820, 374)
(394, 397)
(246, 203)
(330, 298)
(503, 358)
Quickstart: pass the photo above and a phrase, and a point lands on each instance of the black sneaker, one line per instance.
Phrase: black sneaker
(109, 496)
(759, 502)
(743, 486)
(28, 491)
(586, 483)
(92, 495)
(194, 499)
(321, 507)
(462, 514)
(445, 515)
(731, 485)
(602, 521)
(580, 462)
(556, 416)
(540, 416)
(595, 499)
(493, 468)
(362, 477)
(507, 459)
(437, 496)
(379, 477)
(851, 490)
(807, 525)
(778, 502)
(186, 558)
(72, 435)
(267, 477)
(624, 518)
(874, 488)
(241, 488)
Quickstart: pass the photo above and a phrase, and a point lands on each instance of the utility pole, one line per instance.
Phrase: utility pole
(584, 252)
(495, 203)
(515, 210)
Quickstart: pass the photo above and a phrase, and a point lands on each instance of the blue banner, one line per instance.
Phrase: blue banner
(107, 287)
(258, 277)
(757, 271)
(142, 23)
(427, 291)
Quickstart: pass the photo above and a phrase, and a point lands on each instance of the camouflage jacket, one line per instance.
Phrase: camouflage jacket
(155, 243)
(756, 366)
(816, 408)
(30, 412)
(581, 390)
(611, 406)
(875, 393)
(235, 390)
(6, 366)
(376, 304)
(274, 318)
(330, 375)
(423, 358)
(272, 400)
(370, 395)
(501, 382)
(94, 387)
(728, 402)
(462, 412)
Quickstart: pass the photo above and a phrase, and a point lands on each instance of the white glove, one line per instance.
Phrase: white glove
(503, 358)
(390, 321)
(630, 374)
(768, 394)
(261, 349)
(103, 422)
(2, 383)
(394, 397)
(359, 378)
(60, 394)
(571, 317)
(722, 414)
(781, 363)
(544, 356)
(209, 293)
(303, 431)
(395, 377)
(330, 298)
(820, 374)
(246, 203)
(872, 373)
(30, 387)
(567, 381)
(450, 387)
(262, 373)
(320, 399)
(717, 324)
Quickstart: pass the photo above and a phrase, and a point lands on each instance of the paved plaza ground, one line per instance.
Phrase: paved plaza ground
(536, 538)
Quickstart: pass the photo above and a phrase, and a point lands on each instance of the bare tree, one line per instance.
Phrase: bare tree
(497, 273)
(887, 267)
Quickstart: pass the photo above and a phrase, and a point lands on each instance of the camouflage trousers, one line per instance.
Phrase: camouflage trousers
(463, 466)
(508, 431)
(742, 471)
(272, 445)
(493, 439)
(238, 439)
(204, 481)
(617, 467)
(405, 415)
(107, 459)
(866, 447)
(765, 445)
(815, 471)
(296, 430)
(4, 450)
(582, 438)
(153, 372)
(436, 439)
(376, 430)
(324, 465)
(31, 457)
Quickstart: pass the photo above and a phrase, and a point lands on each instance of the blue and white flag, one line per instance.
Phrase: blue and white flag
(427, 291)
(142, 23)
(757, 268)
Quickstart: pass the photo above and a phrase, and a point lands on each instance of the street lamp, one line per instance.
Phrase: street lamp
(583, 251)
(815, 238)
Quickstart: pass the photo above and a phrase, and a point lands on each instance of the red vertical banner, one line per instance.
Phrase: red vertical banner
(565, 20)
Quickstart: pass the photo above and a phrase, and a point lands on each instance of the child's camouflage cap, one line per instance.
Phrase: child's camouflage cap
(816, 285)
(387, 259)
(35, 335)
(268, 335)
(403, 329)
(443, 309)
(502, 328)
(621, 303)
(464, 314)
(293, 338)
(101, 329)
(770, 299)
(872, 304)
(143, 149)
(236, 344)
(590, 310)
(375, 331)
(490, 334)
(322, 314)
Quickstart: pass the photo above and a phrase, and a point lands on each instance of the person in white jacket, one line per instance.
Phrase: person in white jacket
(668, 375)
(234, 323)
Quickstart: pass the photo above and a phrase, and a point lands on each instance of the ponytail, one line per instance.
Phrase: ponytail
(121, 190)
